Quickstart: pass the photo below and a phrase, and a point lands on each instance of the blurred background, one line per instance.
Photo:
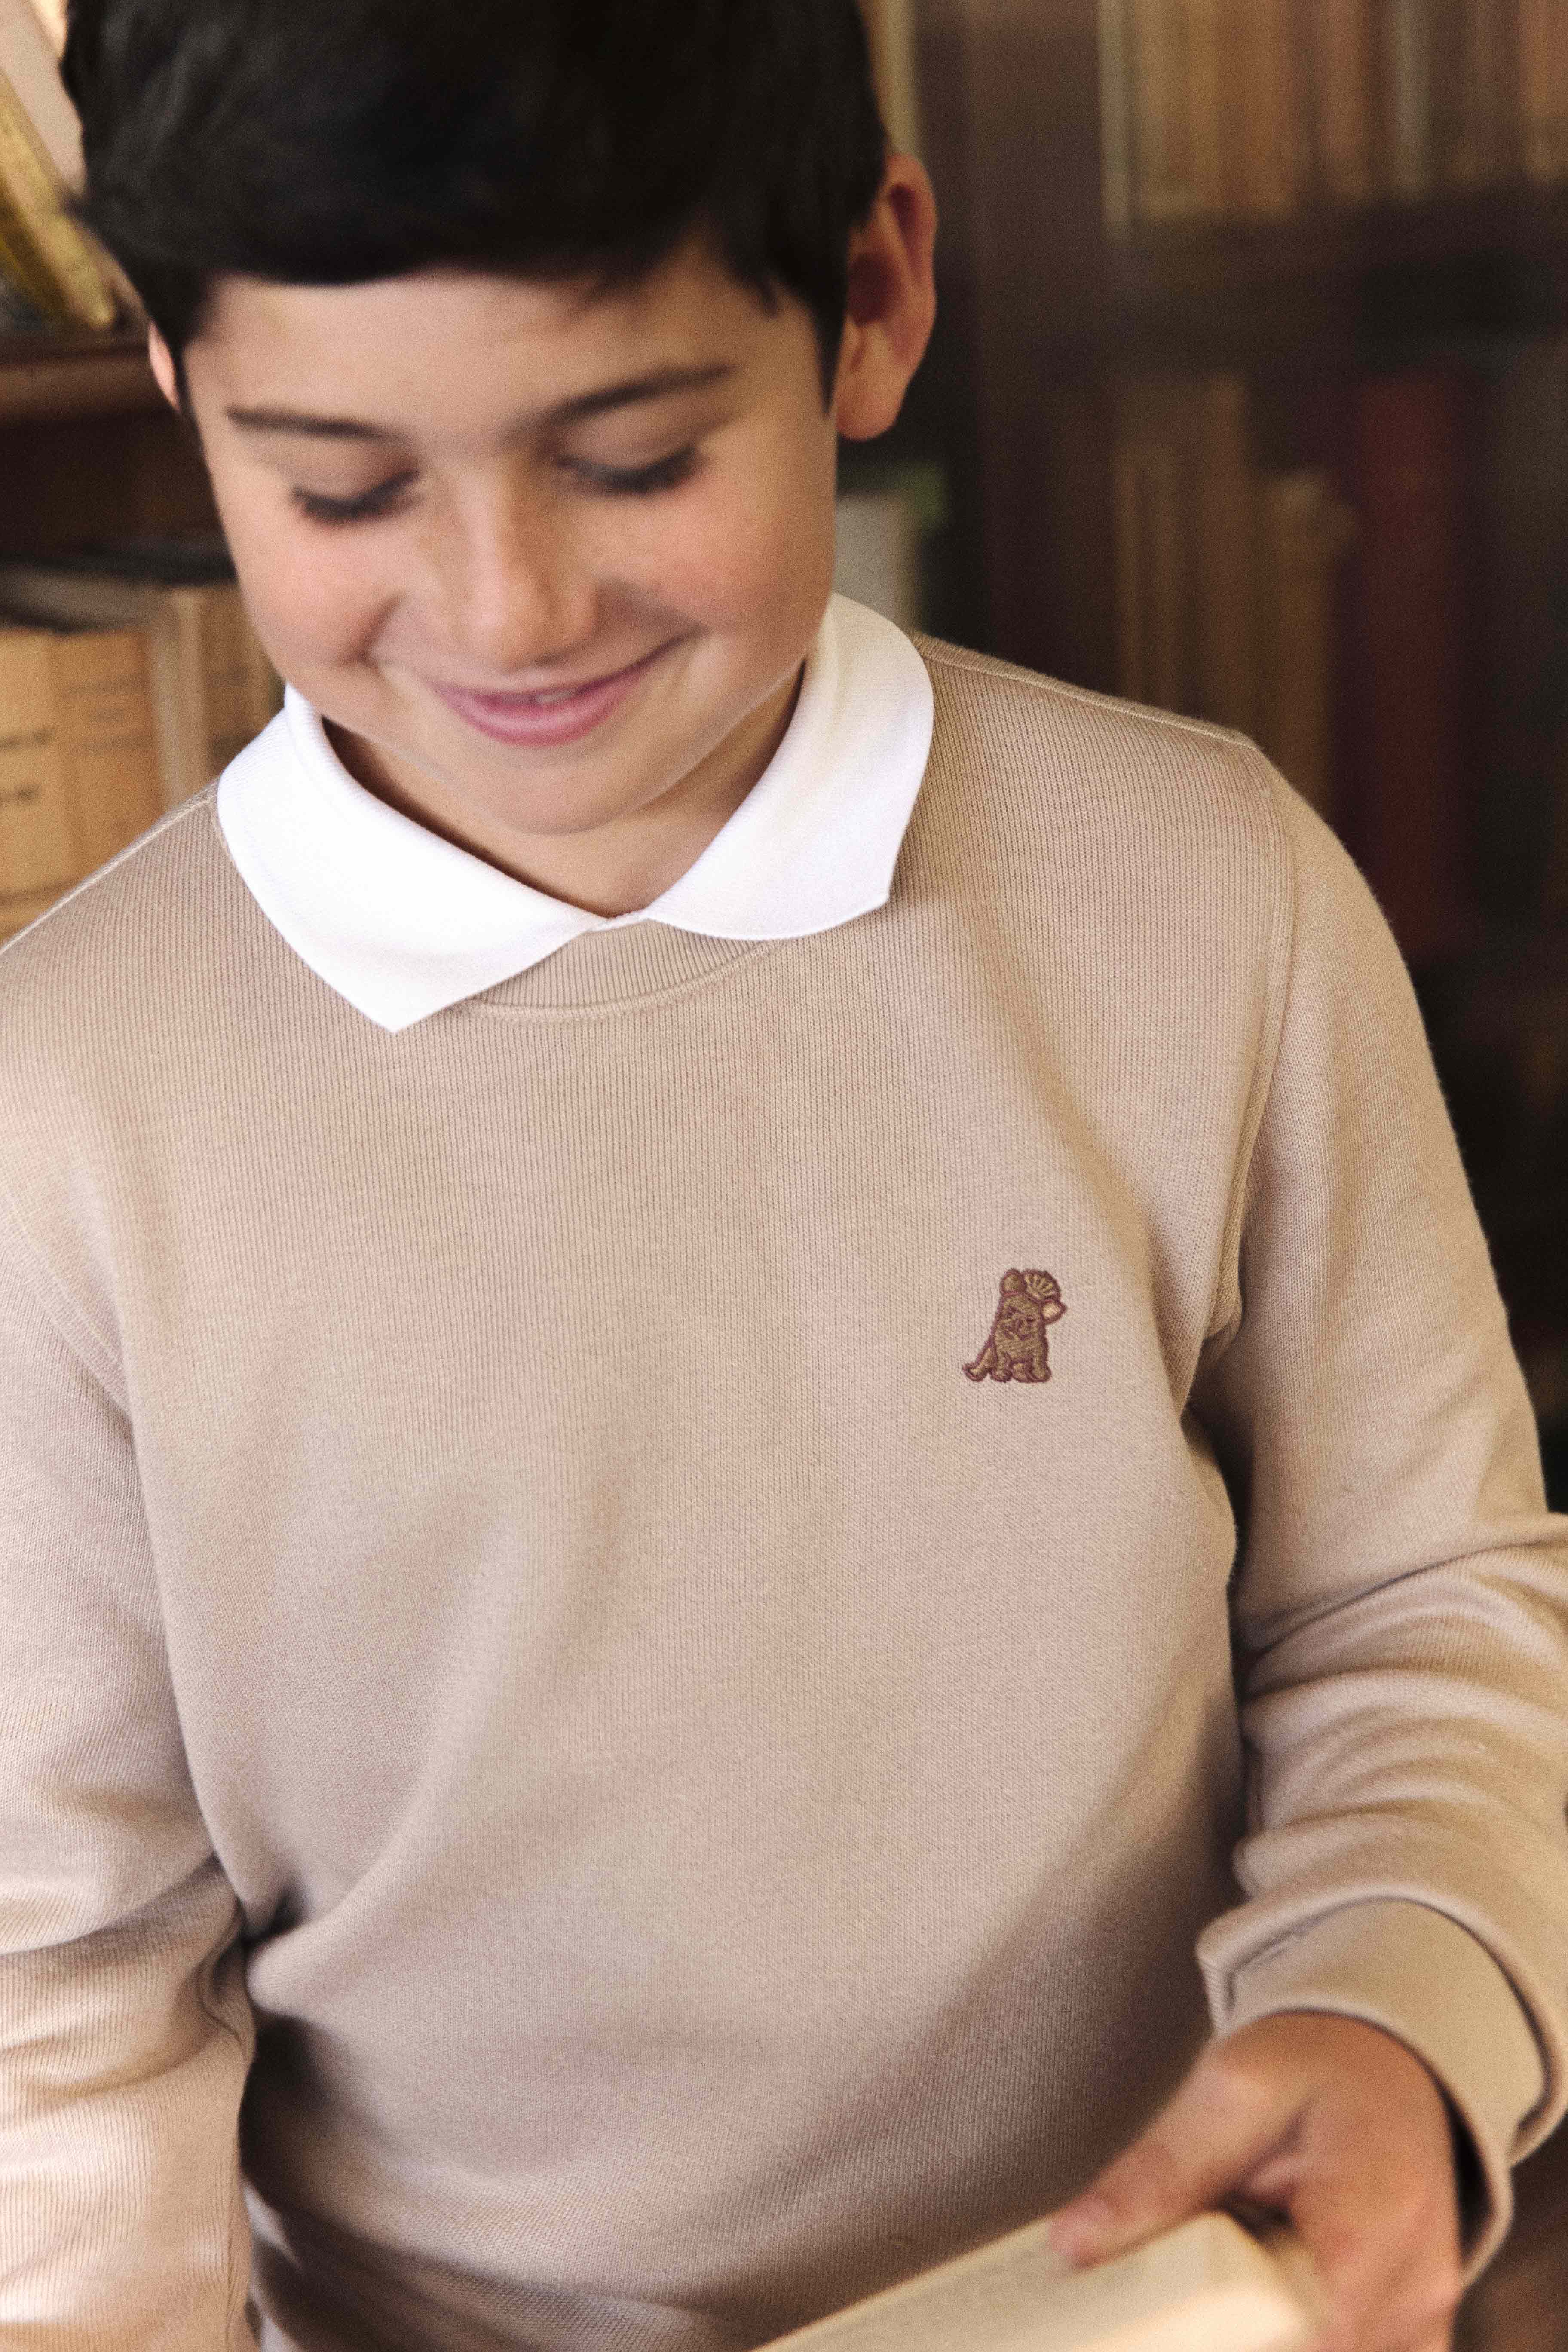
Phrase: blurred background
(1249, 399)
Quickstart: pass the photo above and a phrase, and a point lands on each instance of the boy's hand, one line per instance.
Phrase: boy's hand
(1328, 2121)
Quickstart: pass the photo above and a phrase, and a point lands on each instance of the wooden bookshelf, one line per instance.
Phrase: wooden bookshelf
(1495, 261)
(1520, 222)
(1043, 307)
(56, 375)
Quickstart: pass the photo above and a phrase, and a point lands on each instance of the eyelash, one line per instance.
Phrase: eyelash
(366, 508)
(634, 482)
(640, 481)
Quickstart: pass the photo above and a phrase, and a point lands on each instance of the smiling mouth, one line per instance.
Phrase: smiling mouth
(555, 714)
(547, 698)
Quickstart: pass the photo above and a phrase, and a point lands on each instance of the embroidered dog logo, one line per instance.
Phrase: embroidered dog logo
(1016, 1350)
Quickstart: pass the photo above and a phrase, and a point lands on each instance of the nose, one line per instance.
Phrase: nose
(518, 596)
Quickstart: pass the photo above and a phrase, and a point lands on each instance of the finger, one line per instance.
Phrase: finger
(1202, 2147)
(1394, 2288)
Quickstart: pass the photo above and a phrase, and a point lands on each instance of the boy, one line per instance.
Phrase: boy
(687, 1295)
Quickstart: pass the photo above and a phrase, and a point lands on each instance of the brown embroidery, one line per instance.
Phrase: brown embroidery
(1016, 1350)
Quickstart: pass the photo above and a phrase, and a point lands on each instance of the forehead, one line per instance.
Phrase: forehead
(454, 350)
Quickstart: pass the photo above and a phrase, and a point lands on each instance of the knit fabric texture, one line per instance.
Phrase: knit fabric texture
(673, 1638)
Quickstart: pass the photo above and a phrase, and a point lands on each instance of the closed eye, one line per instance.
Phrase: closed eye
(613, 481)
(363, 508)
(638, 481)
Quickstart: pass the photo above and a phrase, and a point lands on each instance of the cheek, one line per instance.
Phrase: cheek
(313, 607)
(751, 556)
(315, 601)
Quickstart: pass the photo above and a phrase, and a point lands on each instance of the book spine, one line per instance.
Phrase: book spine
(1208, 113)
(1523, 640)
(1151, 574)
(1115, 117)
(263, 698)
(1226, 517)
(1129, 534)
(1187, 546)
(1306, 533)
(171, 699)
(1410, 70)
(1543, 88)
(1262, 47)
(1481, 147)
(186, 610)
(1451, 94)
(37, 853)
(238, 688)
(1410, 829)
(1165, 187)
(173, 619)
(1341, 78)
(1504, 68)
(109, 740)
(64, 259)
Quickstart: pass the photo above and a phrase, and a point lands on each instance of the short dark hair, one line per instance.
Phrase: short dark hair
(329, 143)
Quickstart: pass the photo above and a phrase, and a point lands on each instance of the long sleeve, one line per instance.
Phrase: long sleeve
(1402, 1601)
(480, 1498)
(125, 2031)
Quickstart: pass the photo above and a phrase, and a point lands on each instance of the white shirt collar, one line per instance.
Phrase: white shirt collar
(403, 923)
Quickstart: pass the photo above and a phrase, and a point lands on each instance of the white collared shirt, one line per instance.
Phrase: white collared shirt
(403, 923)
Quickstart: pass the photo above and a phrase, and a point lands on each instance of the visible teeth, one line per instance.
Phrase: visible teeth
(562, 694)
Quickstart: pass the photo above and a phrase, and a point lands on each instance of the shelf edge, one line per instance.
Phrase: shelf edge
(88, 380)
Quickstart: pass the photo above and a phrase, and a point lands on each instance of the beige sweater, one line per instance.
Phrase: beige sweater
(559, 1640)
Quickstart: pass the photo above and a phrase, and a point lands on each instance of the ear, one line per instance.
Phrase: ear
(892, 301)
(161, 359)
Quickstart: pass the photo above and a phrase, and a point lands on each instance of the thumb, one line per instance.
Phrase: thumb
(1199, 2152)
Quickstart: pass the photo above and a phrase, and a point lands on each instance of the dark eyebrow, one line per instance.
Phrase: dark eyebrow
(658, 386)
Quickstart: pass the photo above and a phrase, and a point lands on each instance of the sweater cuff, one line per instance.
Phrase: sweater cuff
(1429, 1983)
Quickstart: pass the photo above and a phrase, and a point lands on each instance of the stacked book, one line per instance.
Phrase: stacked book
(1262, 110)
(1391, 623)
(1228, 580)
(52, 273)
(129, 678)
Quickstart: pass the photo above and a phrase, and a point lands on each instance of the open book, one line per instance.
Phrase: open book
(1208, 2286)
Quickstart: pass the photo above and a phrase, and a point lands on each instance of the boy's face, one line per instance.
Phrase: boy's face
(548, 562)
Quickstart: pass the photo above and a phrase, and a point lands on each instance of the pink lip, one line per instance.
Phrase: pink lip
(523, 719)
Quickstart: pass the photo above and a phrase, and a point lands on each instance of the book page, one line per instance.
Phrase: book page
(1208, 2286)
